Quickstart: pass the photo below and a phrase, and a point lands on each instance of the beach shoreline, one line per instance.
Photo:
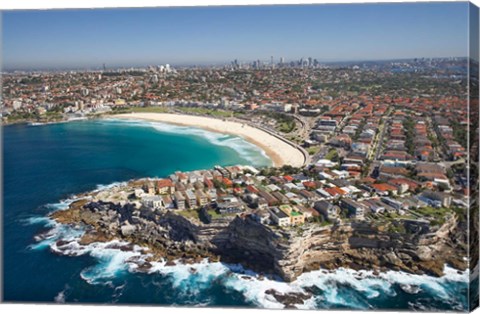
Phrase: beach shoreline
(280, 152)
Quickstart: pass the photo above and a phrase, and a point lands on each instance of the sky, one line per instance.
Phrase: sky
(204, 35)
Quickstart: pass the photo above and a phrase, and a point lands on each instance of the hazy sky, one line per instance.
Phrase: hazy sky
(84, 38)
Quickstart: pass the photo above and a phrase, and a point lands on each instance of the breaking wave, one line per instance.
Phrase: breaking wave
(245, 149)
(192, 283)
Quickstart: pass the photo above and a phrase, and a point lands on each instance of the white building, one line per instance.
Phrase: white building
(279, 217)
(153, 201)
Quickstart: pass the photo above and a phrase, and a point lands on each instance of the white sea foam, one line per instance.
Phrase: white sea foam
(61, 205)
(60, 297)
(111, 262)
(191, 282)
(103, 187)
(46, 123)
(56, 233)
(39, 220)
(245, 149)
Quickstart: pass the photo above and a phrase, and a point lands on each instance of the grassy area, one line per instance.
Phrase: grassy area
(20, 116)
(409, 127)
(460, 212)
(332, 154)
(214, 214)
(188, 213)
(432, 212)
(313, 150)
(149, 109)
(205, 111)
(284, 123)
(286, 127)
(396, 228)
(325, 223)
(188, 110)
(437, 216)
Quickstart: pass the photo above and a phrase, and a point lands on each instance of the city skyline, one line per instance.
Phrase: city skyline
(208, 35)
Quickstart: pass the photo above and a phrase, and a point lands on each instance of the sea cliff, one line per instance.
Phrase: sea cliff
(288, 252)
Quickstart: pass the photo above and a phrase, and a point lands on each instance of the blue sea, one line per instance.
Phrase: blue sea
(46, 166)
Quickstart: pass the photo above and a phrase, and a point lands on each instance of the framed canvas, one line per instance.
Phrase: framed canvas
(290, 156)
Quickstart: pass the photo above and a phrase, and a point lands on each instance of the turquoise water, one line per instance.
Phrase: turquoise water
(46, 164)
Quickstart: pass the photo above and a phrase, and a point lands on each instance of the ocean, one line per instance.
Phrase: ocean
(46, 166)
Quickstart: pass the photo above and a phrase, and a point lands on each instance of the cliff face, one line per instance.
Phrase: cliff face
(357, 245)
(414, 247)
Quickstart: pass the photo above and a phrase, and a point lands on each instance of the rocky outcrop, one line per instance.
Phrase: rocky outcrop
(289, 299)
(414, 248)
(250, 243)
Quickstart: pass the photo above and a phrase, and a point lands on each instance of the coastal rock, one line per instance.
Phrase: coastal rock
(127, 230)
(94, 236)
(284, 252)
(289, 299)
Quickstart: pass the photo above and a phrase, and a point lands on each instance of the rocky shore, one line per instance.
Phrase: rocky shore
(171, 237)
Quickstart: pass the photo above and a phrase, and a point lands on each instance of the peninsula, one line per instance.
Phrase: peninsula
(273, 221)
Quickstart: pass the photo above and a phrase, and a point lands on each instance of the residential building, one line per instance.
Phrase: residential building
(153, 201)
(329, 211)
(279, 217)
(179, 200)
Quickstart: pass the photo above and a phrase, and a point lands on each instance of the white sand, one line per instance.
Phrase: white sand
(279, 151)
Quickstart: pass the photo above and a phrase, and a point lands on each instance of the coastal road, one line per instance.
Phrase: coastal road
(305, 127)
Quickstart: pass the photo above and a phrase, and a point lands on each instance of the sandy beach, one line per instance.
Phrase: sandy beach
(279, 151)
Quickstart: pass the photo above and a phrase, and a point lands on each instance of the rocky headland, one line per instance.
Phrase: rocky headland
(288, 252)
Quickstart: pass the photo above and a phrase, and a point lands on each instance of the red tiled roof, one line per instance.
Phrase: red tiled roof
(384, 187)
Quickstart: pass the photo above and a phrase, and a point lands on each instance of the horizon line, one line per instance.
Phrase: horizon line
(207, 64)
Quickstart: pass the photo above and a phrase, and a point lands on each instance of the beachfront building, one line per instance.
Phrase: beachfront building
(149, 187)
(165, 186)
